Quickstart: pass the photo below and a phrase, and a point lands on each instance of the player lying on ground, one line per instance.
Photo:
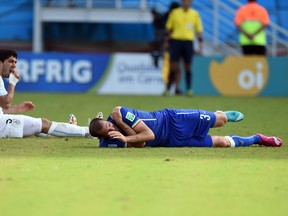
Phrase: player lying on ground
(128, 127)
(22, 125)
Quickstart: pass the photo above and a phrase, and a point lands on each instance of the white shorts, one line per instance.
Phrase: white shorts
(18, 126)
(11, 126)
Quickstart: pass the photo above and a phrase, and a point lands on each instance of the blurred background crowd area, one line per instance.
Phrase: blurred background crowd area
(126, 25)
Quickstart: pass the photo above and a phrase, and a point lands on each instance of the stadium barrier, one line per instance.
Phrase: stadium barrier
(135, 74)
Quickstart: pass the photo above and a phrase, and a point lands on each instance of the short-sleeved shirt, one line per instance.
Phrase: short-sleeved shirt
(10, 125)
(171, 127)
(184, 23)
(250, 17)
(3, 91)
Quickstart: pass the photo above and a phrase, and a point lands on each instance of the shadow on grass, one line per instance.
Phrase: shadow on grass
(87, 150)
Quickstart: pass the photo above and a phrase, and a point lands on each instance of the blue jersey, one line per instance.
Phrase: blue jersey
(171, 127)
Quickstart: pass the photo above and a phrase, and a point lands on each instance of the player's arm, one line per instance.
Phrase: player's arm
(239, 18)
(23, 107)
(143, 134)
(129, 132)
(198, 30)
(117, 117)
(248, 35)
(264, 22)
(251, 35)
(7, 99)
(200, 40)
(262, 27)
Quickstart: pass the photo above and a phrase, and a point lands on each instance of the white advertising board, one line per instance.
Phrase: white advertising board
(132, 73)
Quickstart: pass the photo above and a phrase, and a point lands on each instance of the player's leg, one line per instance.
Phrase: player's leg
(227, 141)
(211, 120)
(238, 141)
(234, 141)
(188, 53)
(60, 129)
(223, 141)
(32, 126)
(170, 81)
(231, 116)
(174, 75)
(221, 119)
(220, 141)
(187, 126)
(178, 76)
(206, 141)
(188, 79)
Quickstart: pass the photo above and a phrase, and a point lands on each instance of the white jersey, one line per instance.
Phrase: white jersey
(17, 126)
(10, 125)
(2, 92)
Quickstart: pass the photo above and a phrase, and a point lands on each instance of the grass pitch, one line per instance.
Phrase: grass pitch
(72, 176)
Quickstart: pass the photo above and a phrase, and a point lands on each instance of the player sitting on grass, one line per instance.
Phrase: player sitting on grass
(21, 125)
(128, 127)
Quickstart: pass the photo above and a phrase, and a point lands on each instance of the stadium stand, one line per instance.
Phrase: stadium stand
(16, 20)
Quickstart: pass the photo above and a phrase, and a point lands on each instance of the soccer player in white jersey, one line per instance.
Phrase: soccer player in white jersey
(19, 126)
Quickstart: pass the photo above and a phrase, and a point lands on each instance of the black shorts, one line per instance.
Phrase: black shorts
(181, 49)
(253, 50)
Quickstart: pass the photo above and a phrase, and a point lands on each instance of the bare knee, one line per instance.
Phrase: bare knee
(46, 124)
(220, 141)
(221, 119)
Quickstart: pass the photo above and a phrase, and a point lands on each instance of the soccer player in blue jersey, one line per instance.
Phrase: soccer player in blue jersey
(128, 127)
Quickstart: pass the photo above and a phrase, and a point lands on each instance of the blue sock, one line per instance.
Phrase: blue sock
(244, 141)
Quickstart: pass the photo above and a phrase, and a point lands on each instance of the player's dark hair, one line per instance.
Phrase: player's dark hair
(95, 126)
(5, 54)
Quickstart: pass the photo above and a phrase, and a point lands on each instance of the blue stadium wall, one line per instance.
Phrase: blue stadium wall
(16, 20)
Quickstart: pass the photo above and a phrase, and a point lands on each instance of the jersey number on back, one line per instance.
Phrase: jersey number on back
(203, 116)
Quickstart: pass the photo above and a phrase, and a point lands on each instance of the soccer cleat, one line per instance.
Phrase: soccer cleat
(166, 93)
(269, 141)
(178, 92)
(234, 116)
(99, 115)
(72, 119)
(189, 93)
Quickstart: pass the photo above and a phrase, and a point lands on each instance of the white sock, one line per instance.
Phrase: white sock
(232, 142)
(220, 111)
(67, 130)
